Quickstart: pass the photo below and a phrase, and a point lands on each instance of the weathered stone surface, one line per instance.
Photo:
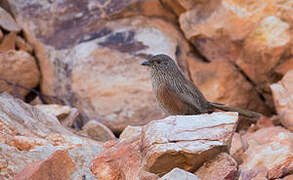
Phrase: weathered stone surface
(269, 154)
(223, 166)
(252, 34)
(65, 114)
(28, 135)
(7, 22)
(263, 49)
(18, 67)
(130, 132)
(221, 82)
(21, 44)
(178, 173)
(238, 146)
(97, 68)
(186, 141)
(289, 177)
(177, 141)
(59, 111)
(180, 6)
(1, 34)
(283, 98)
(118, 160)
(89, 16)
(36, 101)
(284, 67)
(97, 131)
(8, 42)
(58, 166)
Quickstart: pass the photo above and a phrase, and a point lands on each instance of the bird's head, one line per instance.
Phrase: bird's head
(160, 62)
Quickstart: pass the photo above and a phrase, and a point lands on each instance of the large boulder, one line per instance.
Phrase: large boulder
(254, 35)
(176, 141)
(28, 135)
(223, 166)
(18, 72)
(269, 154)
(220, 81)
(49, 168)
(283, 97)
(94, 64)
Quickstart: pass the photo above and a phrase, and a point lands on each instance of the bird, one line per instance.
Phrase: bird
(177, 95)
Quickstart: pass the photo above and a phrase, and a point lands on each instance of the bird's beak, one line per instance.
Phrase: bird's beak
(146, 63)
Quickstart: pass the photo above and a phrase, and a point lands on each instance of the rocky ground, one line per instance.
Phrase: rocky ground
(75, 102)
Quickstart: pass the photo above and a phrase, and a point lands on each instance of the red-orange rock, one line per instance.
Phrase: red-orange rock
(94, 63)
(252, 34)
(221, 82)
(283, 98)
(18, 67)
(120, 160)
(284, 67)
(29, 135)
(97, 131)
(176, 141)
(1, 35)
(263, 49)
(223, 166)
(130, 132)
(58, 166)
(186, 141)
(8, 42)
(21, 44)
(289, 177)
(269, 153)
(238, 146)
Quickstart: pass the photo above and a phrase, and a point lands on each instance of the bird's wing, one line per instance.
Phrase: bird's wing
(191, 95)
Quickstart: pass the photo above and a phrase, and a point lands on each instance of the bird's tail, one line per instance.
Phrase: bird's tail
(246, 113)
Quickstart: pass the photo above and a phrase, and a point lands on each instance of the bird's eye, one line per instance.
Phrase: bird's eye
(158, 62)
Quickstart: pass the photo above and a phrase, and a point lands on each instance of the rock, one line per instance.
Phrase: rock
(265, 45)
(221, 82)
(269, 154)
(21, 44)
(97, 68)
(118, 160)
(289, 177)
(20, 68)
(58, 166)
(131, 132)
(256, 48)
(223, 166)
(36, 101)
(29, 135)
(186, 142)
(65, 114)
(1, 35)
(8, 42)
(176, 141)
(59, 111)
(284, 67)
(90, 16)
(178, 173)
(180, 6)
(283, 98)
(238, 146)
(7, 22)
(97, 131)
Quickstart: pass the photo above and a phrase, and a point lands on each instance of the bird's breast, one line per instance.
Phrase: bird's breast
(169, 100)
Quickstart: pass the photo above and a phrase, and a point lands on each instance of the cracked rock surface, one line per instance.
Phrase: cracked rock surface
(176, 141)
